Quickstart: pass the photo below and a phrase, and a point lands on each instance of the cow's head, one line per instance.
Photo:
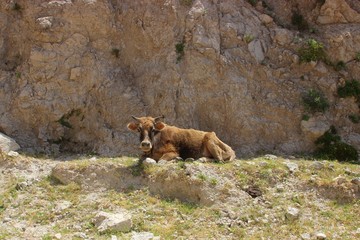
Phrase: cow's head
(148, 127)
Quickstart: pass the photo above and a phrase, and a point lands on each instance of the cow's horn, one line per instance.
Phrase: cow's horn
(158, 118)
(137, 119)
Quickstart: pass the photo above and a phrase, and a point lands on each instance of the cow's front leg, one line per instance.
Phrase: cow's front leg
(169, 156)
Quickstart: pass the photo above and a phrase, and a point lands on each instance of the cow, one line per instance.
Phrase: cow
(160, 141)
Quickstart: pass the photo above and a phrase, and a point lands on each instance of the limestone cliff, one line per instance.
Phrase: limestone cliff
(73, 71)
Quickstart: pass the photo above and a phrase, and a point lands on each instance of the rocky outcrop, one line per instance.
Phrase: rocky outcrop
(337, 11)
(73, 72)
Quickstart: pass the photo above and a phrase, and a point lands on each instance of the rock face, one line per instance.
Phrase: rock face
(72, 72)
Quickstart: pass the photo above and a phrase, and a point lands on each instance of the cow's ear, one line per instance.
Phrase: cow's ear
(159, 126)
(133, 126)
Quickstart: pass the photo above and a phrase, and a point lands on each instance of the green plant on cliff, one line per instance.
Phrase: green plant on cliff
(350, 89)
(315, 101)
(330, 146)
(357, 57)
(312, 51)
(298, 20)
(179, 47)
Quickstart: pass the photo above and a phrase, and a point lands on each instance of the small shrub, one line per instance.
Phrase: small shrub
(315, 101)
(179, 47)
(202, 177)
(305, 117)
(186, 2)
(248, 38)
(253, 2)
(357, 57)
(298, 20)
(354, 118)
(350, 89)
(340, 66)
(115, 52)
(331, 147)
(18, 74)
(16, 7)
(313, 51)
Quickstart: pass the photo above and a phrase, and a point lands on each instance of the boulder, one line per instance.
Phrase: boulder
(8, 144)
(119, 221)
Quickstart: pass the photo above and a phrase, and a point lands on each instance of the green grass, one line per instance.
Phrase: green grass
(173, 219)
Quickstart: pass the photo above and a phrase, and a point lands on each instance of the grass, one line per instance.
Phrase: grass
(173, 219)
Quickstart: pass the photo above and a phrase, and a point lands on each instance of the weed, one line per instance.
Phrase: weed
(16, 7)
(330, 146)
(64, 120)
(202, 177)
(340, 66)
(186, 2)
(298, 20)
(357, 57)
(315, 101)
(312, 51)
(115, 52)
(253, 2)
(213, 181)
(248, 38)
(350, 89)
(182, 165)
(305, 117)
(18, 75)
(179, 47)
(355, 118)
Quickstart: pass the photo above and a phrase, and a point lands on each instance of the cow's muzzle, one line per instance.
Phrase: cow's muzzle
(145, 146)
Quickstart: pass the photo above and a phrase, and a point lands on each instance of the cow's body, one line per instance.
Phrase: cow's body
(161, 141)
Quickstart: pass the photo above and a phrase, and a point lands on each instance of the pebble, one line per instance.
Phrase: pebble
(149, 161)
(270, 157)
(305, 236)
(292, 213)
(317, 165)
(320, 236)
(293, 167)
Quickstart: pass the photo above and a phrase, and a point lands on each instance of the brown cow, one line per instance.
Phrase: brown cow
(161, 141)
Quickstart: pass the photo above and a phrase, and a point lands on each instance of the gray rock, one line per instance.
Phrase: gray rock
(149, 161)
(120, 221)
(189, 160)
(317, 165)
(61, 206)
(292, 213)
(356, 181)
(142, 236)
(339, 180)
(7, 144)
(305, 236)
(13, 154)
(270, 157)
(320, 236)
(162, 162)
(293, 167)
